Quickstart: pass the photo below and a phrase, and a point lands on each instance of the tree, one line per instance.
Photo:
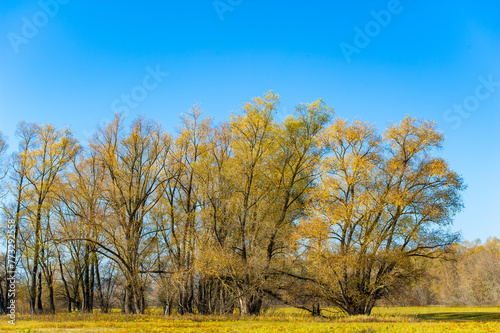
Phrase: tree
(177, 216)
(379, 203)
(17, 188)
(51, 152)
(137, 169)
(215, 294)
(81, 210)
(259, 195)
(252, 148)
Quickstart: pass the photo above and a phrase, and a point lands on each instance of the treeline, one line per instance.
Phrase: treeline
(468, 276)
(310, 211)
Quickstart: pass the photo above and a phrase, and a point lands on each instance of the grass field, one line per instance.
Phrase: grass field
(411, 319)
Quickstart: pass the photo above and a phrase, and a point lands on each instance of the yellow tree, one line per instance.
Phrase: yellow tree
(252, 148)
(44, 161)
(17, 187)
(177, 216)
(214, 292)
(137, 170)
(261, 177)
(380, 202)
(81, 213)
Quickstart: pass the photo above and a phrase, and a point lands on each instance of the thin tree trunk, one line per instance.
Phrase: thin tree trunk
(102, 302)
(39, 295)
(50, 285)
(34, 273)
(93, 262)
(65, 283)
(3, 304)
(86, 281)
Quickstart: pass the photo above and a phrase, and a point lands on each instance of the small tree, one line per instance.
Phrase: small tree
(379, 202)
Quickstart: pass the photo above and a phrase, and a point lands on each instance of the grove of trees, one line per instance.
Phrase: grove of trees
(311, 211)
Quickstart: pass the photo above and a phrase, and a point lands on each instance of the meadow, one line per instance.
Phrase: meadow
(393, 319)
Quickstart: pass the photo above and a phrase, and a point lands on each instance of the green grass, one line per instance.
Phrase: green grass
(396, 319)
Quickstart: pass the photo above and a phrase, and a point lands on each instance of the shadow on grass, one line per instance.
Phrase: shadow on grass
(461, 316)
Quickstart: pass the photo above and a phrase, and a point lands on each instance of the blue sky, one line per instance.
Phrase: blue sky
(74, 62)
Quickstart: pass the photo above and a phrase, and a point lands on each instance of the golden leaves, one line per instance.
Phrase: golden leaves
(412, 136)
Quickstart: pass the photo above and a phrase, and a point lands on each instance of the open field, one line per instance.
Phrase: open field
(411, 319)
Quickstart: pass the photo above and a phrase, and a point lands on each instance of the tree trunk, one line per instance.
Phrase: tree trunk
(3, 304)
(102, 301)
(65, 283)
(186, 296)
(92, 282)
(214, 297)
(52, 305)
(48, 272)
(250, 305)
(355, 309)
(134, 304)
(167, 306)
(39, 295)
(76, 298)
(88, 280)
(316, 310)
(36, 255)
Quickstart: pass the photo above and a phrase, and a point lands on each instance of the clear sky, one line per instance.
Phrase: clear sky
(76, 62)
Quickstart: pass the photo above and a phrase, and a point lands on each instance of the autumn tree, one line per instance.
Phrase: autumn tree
(44, 161)
(380, 202)
(136, 165)
(80, 211)
(177, 215)
(215, 294)
(17, 191)
(267, 174)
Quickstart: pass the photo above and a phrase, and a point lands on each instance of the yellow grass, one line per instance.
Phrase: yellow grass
(411, 319)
